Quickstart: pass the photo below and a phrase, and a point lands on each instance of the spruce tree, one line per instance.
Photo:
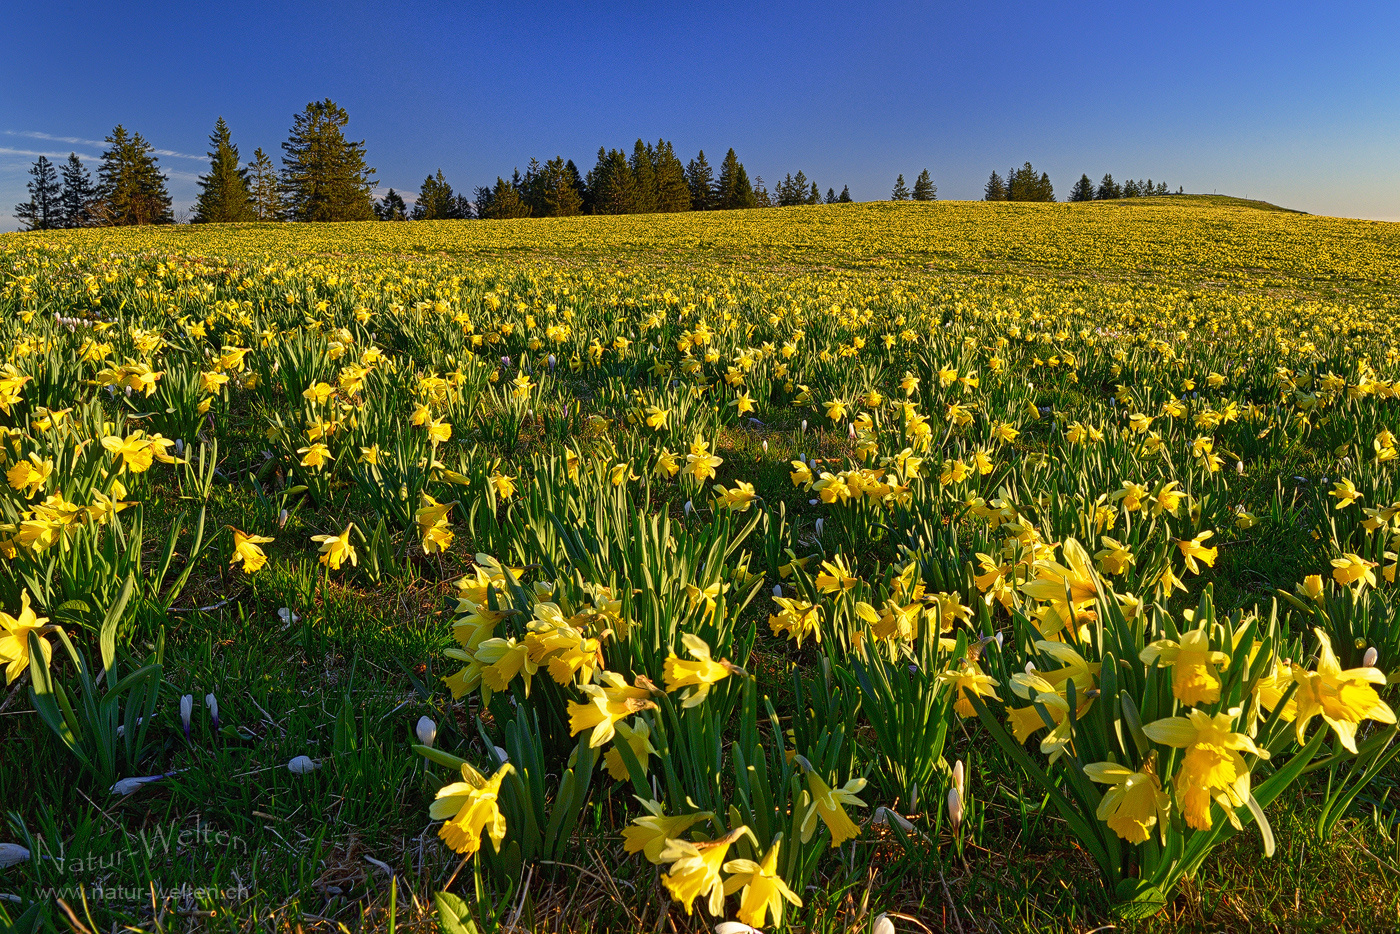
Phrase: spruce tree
(924, 188)
(701, 179)
(435, 199)
(643, 178)
(815, 196)
(506, 202)
(75, 202)
(1108, 189)
(131, 189)
(845, 195)
(759, 196)
(1131, 189)
(561, 198)
(391, 207)
(831, 196)
(324, 175)
(613, 184)
(1083, 190)
(481, 203)
(995, 189)
(672, 188)
(224, 196)
(43, 210)
(734, 189)
(1044, 191)
(900, 192)
(264, 187)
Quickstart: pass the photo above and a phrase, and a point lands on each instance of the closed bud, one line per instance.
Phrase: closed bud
(426, 730)
(955, 808)
(186, 710)
(301, 765)
(212, 703)
(1372, 656)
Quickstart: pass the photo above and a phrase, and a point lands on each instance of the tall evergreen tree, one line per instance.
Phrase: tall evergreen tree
(814, 196)
(43, 210)
(560, 196)
(734, 189)
(831, 196)
(75, 203)
(324, 175)
(900, 192)
(264, 187)
(761, 197)
(224, 196)
(701, 179)
(1025, 185)
(1131, 189)
(506, 202)
(613, 185)
(643, 178)
(435, 199)
(845, 195)
(924, 188)
(995, 189)
(1083, 190)
(1108, 189)
(481, 203)
(131, 189)
(672, 189)
(391, 207)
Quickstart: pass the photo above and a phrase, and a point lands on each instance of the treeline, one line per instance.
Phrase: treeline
(1025, 184)
(324, 176)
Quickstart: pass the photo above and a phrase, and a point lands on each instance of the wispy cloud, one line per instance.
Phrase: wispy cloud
(7, 151)
(35, 134)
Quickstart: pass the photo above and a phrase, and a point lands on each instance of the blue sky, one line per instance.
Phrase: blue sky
(1291, 102)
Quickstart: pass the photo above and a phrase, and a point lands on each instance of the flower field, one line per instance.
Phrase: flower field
(949, 566)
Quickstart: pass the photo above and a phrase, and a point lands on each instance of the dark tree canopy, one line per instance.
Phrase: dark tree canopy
(43, 210)
(1083, 190)
(901, 191)
(924, 188)
(131, 188)
(224, 196)
(995, 189)
(75, 203)
(324, 175)
(265, 188)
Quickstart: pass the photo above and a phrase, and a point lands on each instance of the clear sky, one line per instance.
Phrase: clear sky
(1295, 103)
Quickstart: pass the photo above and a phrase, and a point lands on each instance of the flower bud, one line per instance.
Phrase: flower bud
(958, 777)
(301, 765)
(426, 731)
(882, 925)
(777, 590)
(1372, 656)
(186, 709)
(12, 853)
(955, 808)
(820, 525)
(212, 703)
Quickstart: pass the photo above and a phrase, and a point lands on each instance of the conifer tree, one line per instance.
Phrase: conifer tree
(1108, 189)
(760, 196)
(995, 189)
(735, 190)
(43, 210)
(643, 178)
(845, 195)
(1025, 185)
(672, 189)
(75, 202)
(224, 196)
(612, 183)
(900, 192)
(924, 188)
(814, 196)
(561, 198)
(264, 187)
(506, 202)
(1131, 189)
(701, 179)
(324, 175)
(831, 196)
(435, 199)
(131, 189)
(1083, 190)
(392, 207)
(481, 203)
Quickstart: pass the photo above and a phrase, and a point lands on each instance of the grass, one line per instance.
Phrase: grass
(341, 671)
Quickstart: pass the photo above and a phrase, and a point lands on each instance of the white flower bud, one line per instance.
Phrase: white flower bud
(820, 525)
(955, 808)
(1372, 656)
(777, 590)
(212, 703)
(127, 785)
(12, 853)
(301, 765)
(426, 731)
(186, 709)
(958, 777)
(882, 925)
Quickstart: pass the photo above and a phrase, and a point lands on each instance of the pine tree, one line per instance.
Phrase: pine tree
(264, 188)
(1131, 189)
(1025, 185)
(924, 188)
(760, 196)
(643, 178)
(995, 189)
(815, 196)
(224, 197)
(131, 189)
(701, 179)
(43, 210)
(481, 203)
(1083, 190)
(75, 202)
(392, 207)
(324, 175)
(1108, 189)
(612, 183)
(845, 195)
(506, 202)
(735, 190)
(672, 189)
(1044, 191)
(831, 196)
(561, 198)
(900, 193)
(435, 199)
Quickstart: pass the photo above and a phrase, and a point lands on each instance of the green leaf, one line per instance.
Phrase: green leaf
(454, 917)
